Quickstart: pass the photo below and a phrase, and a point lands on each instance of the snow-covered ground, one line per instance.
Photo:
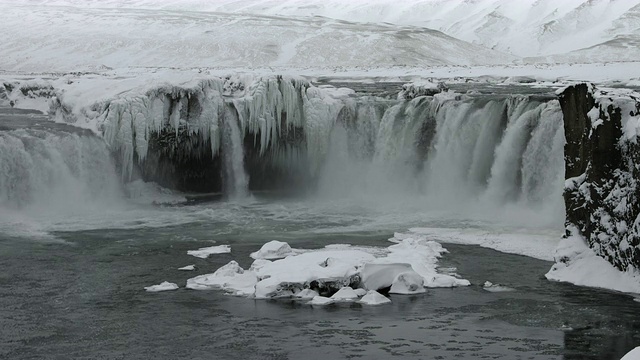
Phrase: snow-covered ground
(558, 30)
(73, 38)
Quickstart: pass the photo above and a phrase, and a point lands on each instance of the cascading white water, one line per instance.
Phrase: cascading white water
(54, 171)
(235, 177)
(481, 154)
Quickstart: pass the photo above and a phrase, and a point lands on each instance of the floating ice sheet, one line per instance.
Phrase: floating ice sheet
(343, 272)
(164, 286)
(204, 252)
(374, 298)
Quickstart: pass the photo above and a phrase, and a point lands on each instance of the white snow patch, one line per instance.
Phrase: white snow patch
(164, 286)
(204, 252)
(632, 355)
(576, 263)
(537, 245)
(374, 298)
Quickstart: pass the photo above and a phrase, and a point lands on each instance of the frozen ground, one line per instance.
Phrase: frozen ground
(73, 39)
(567, 31)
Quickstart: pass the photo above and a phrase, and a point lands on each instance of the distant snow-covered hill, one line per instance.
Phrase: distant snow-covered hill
(38, 37)
(539, 29)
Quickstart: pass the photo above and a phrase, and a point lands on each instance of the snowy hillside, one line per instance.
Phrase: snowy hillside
(525, 28)
(60, 38)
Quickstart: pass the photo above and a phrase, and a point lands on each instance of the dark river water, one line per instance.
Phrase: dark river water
(80, 296)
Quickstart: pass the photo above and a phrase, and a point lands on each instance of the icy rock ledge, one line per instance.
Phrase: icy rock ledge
(336, 273)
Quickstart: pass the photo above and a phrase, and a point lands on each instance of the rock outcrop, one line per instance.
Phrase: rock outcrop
(602, 168)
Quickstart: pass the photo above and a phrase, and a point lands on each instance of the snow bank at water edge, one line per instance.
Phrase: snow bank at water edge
(578, 264)
(528, 242)
(338, 272)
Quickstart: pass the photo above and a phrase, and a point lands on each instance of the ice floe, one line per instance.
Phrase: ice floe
(164, 286)
(374, 298)
(345, 294)
(491, 287)
(306, 294)
(204, 252)
(273, 250)
(336, 272)
(409, 282)
(188, 268)
(321, 301)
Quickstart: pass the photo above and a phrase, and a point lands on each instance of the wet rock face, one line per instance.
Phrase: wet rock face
(601, 195)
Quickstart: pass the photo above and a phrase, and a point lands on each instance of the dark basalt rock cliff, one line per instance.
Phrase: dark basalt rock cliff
(602, 170)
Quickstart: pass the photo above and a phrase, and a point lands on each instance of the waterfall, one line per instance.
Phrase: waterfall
(488, 154)
(236, 181)
(55, 171)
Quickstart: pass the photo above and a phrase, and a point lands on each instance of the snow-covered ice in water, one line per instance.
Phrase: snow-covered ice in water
(188, 268)
(344, 271)
(230, 278)
(491, 287)
(374, 298)
(321, 301)
(378, 276)
(165, 286)
(306, 294)
(409, 282)
(204, 252)
(632, 355)
(345, 294)
(273, 250)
